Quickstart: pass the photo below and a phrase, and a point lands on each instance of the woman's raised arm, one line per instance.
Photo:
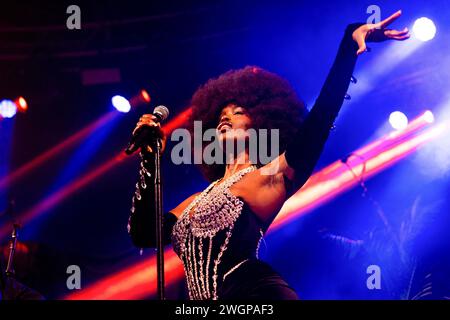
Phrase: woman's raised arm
(303, 152)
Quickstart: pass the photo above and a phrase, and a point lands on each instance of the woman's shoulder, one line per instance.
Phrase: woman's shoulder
(178, 210)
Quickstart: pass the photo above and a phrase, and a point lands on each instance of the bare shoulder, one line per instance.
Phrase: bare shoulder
(177, 211)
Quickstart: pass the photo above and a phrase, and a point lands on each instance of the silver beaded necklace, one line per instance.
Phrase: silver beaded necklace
(216, 209)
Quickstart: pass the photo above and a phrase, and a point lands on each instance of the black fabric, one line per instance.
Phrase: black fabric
(244, 241)
(255, 280)
(304, 150)
(142, 223)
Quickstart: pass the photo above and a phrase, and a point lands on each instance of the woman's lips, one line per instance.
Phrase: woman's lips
(224, 126)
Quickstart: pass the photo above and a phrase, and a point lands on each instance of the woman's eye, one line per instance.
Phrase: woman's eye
(239, 112)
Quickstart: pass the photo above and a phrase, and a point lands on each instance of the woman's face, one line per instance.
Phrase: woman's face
(234, 120)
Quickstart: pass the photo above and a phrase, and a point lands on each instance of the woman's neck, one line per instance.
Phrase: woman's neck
(241, 161)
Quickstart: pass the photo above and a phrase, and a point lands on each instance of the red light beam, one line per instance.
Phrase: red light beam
(66, 191)
(16, 175)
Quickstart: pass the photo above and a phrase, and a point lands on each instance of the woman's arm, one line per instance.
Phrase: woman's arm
(303, 152)
(142, 219)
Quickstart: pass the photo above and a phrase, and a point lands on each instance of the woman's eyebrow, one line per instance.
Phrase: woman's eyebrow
(223, 111)
(234, 107)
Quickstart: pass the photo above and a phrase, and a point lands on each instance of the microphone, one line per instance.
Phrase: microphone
(141, 136)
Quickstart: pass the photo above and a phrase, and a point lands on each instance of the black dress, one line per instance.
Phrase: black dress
(240, 274)
(254, 279)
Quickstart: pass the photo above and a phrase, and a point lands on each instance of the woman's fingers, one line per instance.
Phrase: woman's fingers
(141, 124)
(361, 44)
(361, 49)
(400, 37)
(389, 20)
(148, 115)
(397, 35)
(396, 32)
(149, 122)
(359, 35)
(146, 120)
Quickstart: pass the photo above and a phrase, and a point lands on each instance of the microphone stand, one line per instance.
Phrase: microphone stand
(12, 250)
(9, 272)
(156, 145)
(159, 219)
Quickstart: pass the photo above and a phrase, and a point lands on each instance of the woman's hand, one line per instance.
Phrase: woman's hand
(377, 32)
(149, 121)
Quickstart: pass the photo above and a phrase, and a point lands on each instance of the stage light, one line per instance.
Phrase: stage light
(21, 104)
(145, 96)
(121, 104)
(429, 116)
(398, 120)
(124, 105)
(424, 29)
(8, 109)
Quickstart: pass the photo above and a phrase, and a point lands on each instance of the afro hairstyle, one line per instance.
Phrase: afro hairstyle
(270, 100)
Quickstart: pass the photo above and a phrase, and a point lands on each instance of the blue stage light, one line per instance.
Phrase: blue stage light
(424, 29)
(8, 109)
(121, 104)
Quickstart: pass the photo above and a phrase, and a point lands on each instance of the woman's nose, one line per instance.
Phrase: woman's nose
(225, 117)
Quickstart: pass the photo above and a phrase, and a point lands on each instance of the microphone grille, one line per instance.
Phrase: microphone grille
(162, 112)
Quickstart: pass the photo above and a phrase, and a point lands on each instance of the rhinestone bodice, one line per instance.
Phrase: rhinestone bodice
(207, 242)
